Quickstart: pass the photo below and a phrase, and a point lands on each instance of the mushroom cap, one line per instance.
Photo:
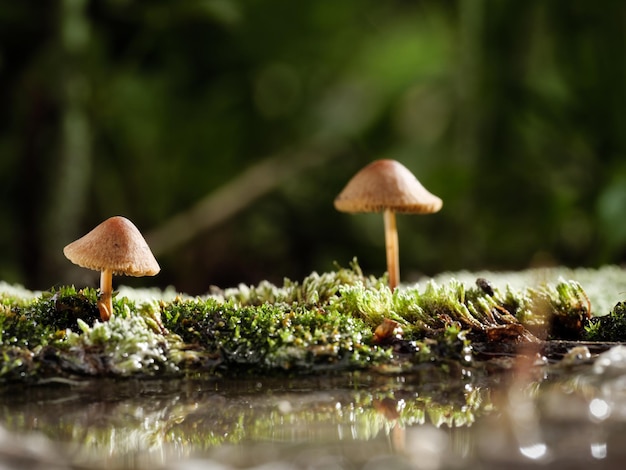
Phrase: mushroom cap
(386, 184)
(115, 244)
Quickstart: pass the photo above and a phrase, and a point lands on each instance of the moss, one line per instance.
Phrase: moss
(315, 289)
(325, 322)
(551, 311)
(45, 319)
(270, 336)
(611, 327)
(126, 345)
(17, 363)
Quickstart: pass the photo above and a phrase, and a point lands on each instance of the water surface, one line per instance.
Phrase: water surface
(507, 413)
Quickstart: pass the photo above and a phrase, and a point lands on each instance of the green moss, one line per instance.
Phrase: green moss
(271, 336)
(45, 319)
(326, 322)
(611, 327)
(315, 289)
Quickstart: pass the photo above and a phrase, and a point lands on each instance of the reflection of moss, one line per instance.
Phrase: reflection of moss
(326, 322)
(116, 419)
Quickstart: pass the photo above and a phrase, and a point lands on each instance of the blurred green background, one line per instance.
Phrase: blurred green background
(225, 128)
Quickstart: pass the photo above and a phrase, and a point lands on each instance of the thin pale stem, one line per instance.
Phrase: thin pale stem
(105, 300)
(391, 246)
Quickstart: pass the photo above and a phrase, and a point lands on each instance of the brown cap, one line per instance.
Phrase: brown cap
(386, 184)
(115, 244)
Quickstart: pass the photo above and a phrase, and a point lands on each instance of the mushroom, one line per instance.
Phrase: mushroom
(114, 247)
(387, 186)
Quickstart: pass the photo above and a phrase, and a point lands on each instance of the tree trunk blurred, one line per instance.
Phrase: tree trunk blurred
(70, 179)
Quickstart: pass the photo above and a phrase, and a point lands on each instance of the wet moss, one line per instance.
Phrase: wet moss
(611, 327)
(270, 336)
(326, 322)
(46, 319)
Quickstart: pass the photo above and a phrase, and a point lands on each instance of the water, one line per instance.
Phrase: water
(516, 411)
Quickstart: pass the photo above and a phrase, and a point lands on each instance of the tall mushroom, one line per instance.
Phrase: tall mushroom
(387, 186)
(114, 247)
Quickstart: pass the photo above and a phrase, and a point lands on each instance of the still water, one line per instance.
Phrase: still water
(509, 412)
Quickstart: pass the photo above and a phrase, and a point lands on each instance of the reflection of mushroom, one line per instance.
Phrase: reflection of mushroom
(388, 186)
(114, 247)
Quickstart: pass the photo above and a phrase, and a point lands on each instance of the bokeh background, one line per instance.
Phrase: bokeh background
(225, 128)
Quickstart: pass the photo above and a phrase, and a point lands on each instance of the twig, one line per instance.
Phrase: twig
(232, 197)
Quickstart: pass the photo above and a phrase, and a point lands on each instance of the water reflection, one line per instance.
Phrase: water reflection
(431, 419)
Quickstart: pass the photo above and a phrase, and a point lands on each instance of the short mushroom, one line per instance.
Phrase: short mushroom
(114, 247)
(387, 186)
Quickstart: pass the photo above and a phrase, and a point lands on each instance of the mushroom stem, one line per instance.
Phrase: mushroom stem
(105, 300)
(391, 245)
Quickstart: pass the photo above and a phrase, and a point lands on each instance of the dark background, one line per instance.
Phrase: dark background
(225, 128)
